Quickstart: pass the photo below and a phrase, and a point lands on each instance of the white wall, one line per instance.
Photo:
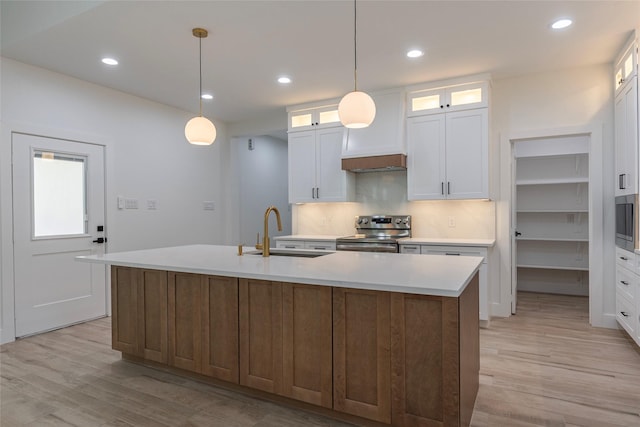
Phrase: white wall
(262, 180)
(563, 101)
(147, 158)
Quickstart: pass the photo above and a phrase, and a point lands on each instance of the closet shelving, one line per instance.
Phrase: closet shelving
(552, 208)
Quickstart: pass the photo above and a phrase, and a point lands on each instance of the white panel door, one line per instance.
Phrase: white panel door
(58, 204)
(426, 157)
(331, 180)
(467, 154)
(302, 166)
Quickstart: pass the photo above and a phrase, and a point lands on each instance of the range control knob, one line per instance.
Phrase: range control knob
(364, 220)
(398, 220)
(359, 221)
(405, 221)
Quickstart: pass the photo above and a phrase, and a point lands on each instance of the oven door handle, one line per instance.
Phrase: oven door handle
(367, 247)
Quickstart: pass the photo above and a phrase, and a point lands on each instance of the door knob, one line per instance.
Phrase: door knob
(100, 240)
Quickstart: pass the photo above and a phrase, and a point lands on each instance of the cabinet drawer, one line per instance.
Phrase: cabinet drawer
(455, 251)
(625, 259)
(289, 244)
(626, 283)
(626, 315)
(320, 246)
(409, 249)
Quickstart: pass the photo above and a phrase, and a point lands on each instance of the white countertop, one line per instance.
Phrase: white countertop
(443, 241)
(417, 274)
(315, 237)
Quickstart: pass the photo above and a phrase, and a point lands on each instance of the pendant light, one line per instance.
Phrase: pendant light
(199, 130)
(356, 109)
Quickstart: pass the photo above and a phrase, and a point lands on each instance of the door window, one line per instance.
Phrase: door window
(59, 194)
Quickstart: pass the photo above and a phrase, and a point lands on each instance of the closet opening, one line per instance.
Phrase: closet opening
(551, 223)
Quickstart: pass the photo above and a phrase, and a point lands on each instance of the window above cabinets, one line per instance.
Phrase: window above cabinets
(448, 98)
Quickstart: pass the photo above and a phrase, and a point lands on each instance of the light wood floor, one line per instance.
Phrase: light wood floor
(543, 367)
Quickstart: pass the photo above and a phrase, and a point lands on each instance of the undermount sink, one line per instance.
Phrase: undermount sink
(297, 253)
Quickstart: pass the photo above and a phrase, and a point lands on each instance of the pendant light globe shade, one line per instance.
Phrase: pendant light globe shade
(356, 110)
(200, 131)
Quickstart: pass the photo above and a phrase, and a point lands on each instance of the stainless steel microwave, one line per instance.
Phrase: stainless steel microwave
(627, 222)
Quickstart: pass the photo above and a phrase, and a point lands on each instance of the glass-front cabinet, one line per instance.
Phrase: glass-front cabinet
(314, 118)
(449, 98)
(626, 67)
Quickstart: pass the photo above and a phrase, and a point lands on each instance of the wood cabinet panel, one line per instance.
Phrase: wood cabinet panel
(220, 328)
(361, 350)
(124, 309)
(260, 310)
(435, 369)
(152, 315)
(425, 375)
(469, 349)
(185, 324)
(307, 354)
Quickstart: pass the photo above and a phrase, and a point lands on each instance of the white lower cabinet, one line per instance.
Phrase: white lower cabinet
(460, 251)
(318, 245)
(290, 244)
(628, 292)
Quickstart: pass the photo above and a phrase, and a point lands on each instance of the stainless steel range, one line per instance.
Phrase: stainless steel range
(376, 233)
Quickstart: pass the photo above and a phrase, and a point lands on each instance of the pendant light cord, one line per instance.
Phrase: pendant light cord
(355, 47)
(200, 94)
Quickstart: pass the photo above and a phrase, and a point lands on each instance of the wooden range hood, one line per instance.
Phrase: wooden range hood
(375, 163)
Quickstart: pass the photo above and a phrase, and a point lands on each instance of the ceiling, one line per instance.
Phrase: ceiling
(252, 43)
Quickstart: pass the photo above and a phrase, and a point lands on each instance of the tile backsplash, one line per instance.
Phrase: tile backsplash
(386, 193)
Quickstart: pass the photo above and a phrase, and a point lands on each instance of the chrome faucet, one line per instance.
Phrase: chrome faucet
(265, 241)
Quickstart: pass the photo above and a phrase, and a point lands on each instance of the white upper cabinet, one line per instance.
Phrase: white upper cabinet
(385, 135)
(448, 156)
(626, 67)
(626, 139)
(313, 117)
(626, 120)
(315, 168)
(451, 98)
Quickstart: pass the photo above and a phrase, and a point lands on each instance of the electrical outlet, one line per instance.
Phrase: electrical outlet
(452, 221)
(120, 202)
(152, 204)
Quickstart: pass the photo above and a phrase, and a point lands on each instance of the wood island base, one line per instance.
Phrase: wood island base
(371, 358)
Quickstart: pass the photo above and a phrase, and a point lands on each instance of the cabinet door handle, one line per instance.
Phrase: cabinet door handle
(624, 282)
(442, 188)
(313, 193)
(452, 253)
(448, 187)
(317, 192)
(448, 105)
(624, 313)
(621, 181)
(289, 247)
(624, 258)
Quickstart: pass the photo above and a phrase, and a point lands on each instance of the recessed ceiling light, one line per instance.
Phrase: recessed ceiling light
(415, 53)
(207, 96)
(284, 80)
(561, 23)
(109, 61)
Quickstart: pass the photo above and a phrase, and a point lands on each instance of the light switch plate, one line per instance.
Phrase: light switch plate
(208, 205)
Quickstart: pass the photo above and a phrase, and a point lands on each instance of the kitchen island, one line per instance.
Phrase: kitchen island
(374, 339)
